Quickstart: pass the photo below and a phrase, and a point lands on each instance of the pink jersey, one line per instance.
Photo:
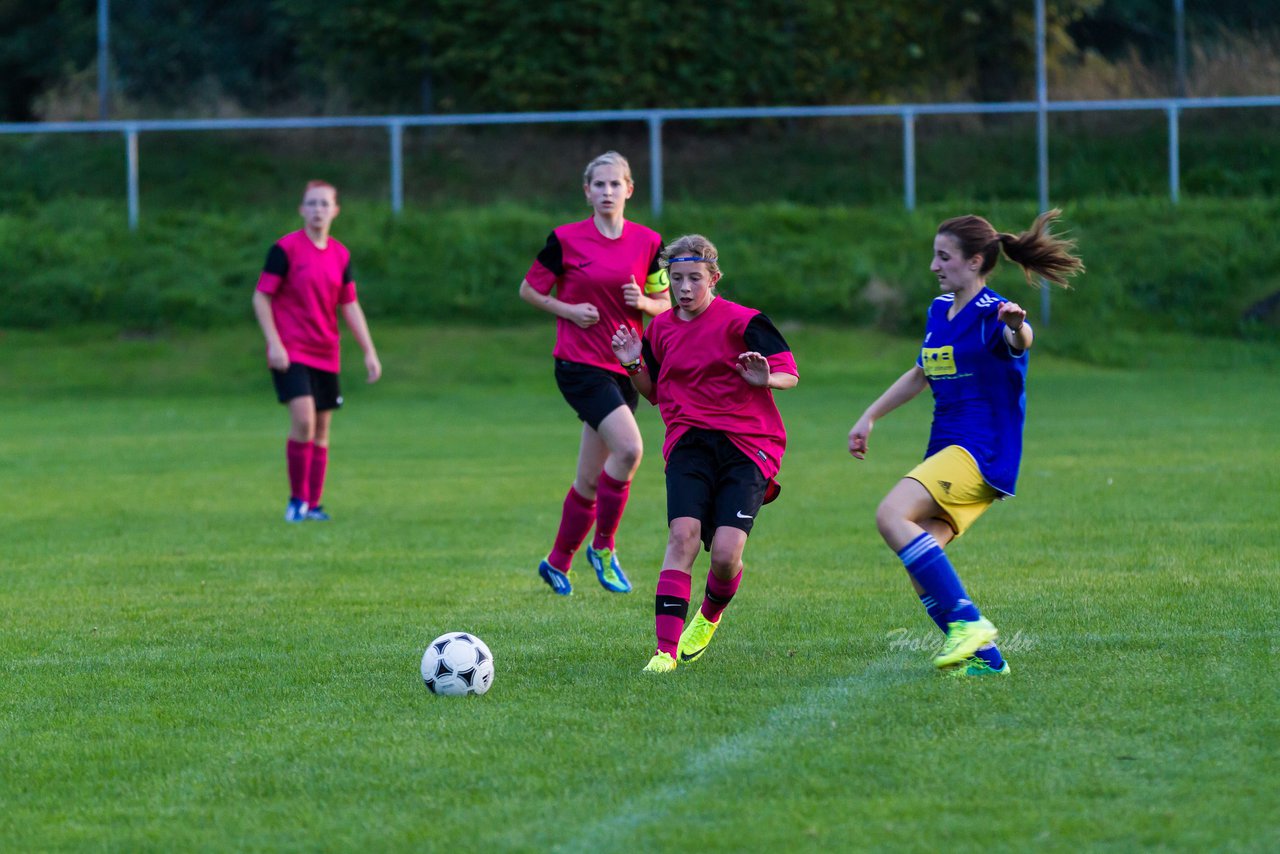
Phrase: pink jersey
(696, 385)
(306, 285)
(585, 266)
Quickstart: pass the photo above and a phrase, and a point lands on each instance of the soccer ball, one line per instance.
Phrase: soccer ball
(457, 663)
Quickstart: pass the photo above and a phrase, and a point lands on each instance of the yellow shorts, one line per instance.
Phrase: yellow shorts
(953, 479)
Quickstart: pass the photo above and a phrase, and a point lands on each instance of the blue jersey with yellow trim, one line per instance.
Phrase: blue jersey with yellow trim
(979, 386)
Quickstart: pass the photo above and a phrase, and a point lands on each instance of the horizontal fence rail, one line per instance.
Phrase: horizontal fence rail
(654, 120)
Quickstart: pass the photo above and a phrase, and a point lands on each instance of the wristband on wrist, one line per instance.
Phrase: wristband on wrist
(632, 367)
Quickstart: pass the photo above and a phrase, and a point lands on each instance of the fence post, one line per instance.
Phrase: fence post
(909, 158)
(1173, 153)
(655, 164)
(104, 59)
(131, 159)
(397, 166)
(1042, 137)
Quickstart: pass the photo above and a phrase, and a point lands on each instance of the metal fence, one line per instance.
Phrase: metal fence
(654, 120)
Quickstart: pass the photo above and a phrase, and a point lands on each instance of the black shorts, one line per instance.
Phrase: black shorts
(305, 381)
(594, 392)
(710, 479)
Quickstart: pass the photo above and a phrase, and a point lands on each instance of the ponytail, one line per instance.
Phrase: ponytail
(1037, 251)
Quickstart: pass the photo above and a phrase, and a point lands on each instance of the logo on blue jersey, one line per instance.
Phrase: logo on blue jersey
(938, 361)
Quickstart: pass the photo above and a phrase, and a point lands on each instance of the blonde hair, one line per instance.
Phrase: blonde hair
(692, 246)
(1035, 250)
(609, 158)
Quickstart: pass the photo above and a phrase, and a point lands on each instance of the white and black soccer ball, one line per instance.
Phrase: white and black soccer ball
(457, 663)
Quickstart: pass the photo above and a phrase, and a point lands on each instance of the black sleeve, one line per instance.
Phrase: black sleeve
(650, 361)
(346, 274)
(552, 255)
(654, 266)
(277, 261)
(764, 338)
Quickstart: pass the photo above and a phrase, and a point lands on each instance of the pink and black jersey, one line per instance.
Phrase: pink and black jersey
(306, 285)
(691, 363)
(583, 265)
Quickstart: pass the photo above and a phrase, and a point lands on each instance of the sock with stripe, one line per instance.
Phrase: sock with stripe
(611, 500)
(718, 595)
(989, 653)
(928, 564)
(934, 611)
(671, 606)
(576, 519)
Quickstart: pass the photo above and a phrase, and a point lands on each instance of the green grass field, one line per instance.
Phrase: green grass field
(183, 671)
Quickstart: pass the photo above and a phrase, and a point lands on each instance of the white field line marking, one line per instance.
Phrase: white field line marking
(749, 748)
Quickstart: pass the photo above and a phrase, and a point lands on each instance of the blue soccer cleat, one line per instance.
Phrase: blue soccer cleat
(295, 510)
(317, 514)
(605, 563)
(557, 580)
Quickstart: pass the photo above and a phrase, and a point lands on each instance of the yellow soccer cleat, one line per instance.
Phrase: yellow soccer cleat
(963, 640)
(694, 639)
(662, 662)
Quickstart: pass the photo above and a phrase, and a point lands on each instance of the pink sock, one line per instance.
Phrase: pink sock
(611, 500)
(576, 519)
(298, 455)
(671, 606)
(718, 595)
(319, 463)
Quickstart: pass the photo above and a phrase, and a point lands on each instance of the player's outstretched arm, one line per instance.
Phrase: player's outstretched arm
(903, 389)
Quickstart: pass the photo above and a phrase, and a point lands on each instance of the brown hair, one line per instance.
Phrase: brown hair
(312, 185)
(692, 246)
(1036, 250)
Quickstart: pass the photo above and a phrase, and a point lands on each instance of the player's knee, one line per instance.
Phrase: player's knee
(725, 564)
(629, 455)
(888, 518)
(685, 534)
(586, 486)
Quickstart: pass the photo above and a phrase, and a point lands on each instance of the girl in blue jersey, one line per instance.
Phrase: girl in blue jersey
(974, 360)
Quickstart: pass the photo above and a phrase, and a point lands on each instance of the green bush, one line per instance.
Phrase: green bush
(1152, 266)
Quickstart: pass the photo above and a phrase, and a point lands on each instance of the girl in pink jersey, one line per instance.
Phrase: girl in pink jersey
(595, 268)
(304, 285)
(711, 367)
